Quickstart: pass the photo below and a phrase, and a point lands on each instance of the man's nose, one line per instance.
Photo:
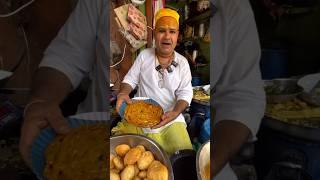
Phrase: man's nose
(167, 34)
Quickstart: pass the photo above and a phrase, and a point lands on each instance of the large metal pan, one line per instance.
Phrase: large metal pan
(134, 140)
(307, 133)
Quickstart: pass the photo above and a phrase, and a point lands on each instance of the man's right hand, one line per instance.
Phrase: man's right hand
(120, 98)
(39, 115)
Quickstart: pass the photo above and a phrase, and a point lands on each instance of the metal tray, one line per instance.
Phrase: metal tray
(307, 133)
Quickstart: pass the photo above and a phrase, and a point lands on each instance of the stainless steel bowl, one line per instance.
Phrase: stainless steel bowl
(203, 158)
(149, 144)
(280, 90)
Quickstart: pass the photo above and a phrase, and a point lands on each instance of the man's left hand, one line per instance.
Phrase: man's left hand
(166, 118)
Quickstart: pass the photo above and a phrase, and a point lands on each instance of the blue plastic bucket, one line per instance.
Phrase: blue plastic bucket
(205, 131)
(196, 81)
(197, 108)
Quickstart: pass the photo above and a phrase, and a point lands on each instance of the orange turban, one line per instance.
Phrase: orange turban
(167, 12)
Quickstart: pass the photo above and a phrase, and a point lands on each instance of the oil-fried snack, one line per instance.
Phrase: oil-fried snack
(127, 173)
(81, 154)
(200, 95)
(118, 163)
(142, 174)
(111, 161)
(143, 114)
(145, 160)
(136, 170)
(117, 171)
(157, 171)
(296, 112)
(114, 176)
(141, 148)
(153, 169)
(132, 156)
(122, 149)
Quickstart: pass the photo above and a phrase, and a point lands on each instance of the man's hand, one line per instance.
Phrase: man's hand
(120, 98)
(37, 116)
(166, 118)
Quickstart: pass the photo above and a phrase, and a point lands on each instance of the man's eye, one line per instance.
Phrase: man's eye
(162, 30)
(173, 32)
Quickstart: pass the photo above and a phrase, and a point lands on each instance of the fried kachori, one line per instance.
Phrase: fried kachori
(81, 154)
(143, 114)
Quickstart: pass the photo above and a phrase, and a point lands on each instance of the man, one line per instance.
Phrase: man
(238, 98)
(164, 76)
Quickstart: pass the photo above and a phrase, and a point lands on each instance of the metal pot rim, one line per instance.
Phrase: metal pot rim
(207, 143)
(293, 130)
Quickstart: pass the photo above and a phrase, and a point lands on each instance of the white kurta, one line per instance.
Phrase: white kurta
(176, 85)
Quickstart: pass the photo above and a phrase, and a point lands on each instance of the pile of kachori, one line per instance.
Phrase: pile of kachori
(136, 163)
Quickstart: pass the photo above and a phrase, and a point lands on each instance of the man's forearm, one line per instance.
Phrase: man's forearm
(228, 136)
(180, 106)
(125, 89)
(50, 85)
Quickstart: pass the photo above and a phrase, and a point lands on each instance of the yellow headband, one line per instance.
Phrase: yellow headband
(167, 12)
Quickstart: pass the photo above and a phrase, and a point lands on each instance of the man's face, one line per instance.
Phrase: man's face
(166, 35)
